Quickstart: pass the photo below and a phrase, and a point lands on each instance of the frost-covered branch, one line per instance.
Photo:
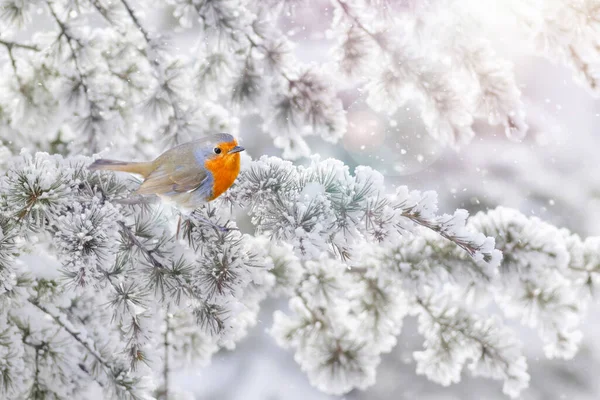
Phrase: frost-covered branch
(126, 259)
(542, 283)
(454, 336)
(9, 45)
(262, 74)
(246, 63)
(353, 259)
(566, 31)
(117, 373)
(302, 205)
(450, 94)
(9, 48)
(97, 80)
(97, 290)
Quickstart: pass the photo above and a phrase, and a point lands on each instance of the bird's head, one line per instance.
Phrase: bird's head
(221, 155)
(222, 146)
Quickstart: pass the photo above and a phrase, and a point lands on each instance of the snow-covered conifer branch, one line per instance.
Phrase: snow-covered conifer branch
(117, 373)
(93, 86)
(566, 31)
(454, 336)
(430, 277)
(303, 205)
(127, 256)
(13, 62)
(416, 72)
(97, 292)
(540, 280)
(96, 80)
(353, 258)
(262, 74)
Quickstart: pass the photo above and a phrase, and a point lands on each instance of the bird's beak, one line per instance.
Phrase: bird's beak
(236, 149)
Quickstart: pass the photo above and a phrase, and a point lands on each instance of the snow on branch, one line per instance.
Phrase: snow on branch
(454, 335)
(261, 74)
(543, 280)
(353, 259)
(453, 79)
(124, 258)
(84, 86)
(128, 253)
(97, 293)
(566, 31)
(303, 205)
(449, 291)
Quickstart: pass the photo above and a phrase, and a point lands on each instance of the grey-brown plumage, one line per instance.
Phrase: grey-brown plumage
(189, 174)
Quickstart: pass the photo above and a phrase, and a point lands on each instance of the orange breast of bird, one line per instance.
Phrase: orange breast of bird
(224, 170)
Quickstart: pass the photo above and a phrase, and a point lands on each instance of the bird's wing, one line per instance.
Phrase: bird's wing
(174, 179)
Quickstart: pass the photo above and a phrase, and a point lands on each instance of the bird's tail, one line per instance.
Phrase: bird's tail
(141, 168)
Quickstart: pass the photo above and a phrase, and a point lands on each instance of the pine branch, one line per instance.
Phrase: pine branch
(136, 22)
(439, 227)
(10, 44)
(157, 264)
(118, 374)
(358, 23)
(36, 376)
(102, 11)
(75, 334)
(70, 39)
(164, 393)
(94, 109)
(147, 254)
(9, 48)
(448, 326)
(158, 68)
(454, 335)
(13, 63)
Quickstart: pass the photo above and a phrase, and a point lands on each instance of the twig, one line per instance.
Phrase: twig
(113, 371)
(8, 44)
(484, 344)
(156, 263)
(9, 48)
(74, 334)
(101, 10)
(147, 254)
(584, 68)
(346, 10)
(136, 21)
(70, 39)
(155, 64)
(13, 63)
(166, 363)
(435, 226)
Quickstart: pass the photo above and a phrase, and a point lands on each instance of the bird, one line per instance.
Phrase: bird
(189, 174)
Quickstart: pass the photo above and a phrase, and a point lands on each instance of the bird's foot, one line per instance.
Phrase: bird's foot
(207, 223)
(215, 226)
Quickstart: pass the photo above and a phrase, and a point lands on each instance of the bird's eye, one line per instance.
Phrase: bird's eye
(217, 150)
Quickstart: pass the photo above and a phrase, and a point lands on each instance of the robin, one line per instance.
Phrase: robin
(190, 174)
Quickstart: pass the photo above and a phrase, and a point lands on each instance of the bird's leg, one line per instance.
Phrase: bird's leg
(212, 224)
(217, 227)
(178, 227)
